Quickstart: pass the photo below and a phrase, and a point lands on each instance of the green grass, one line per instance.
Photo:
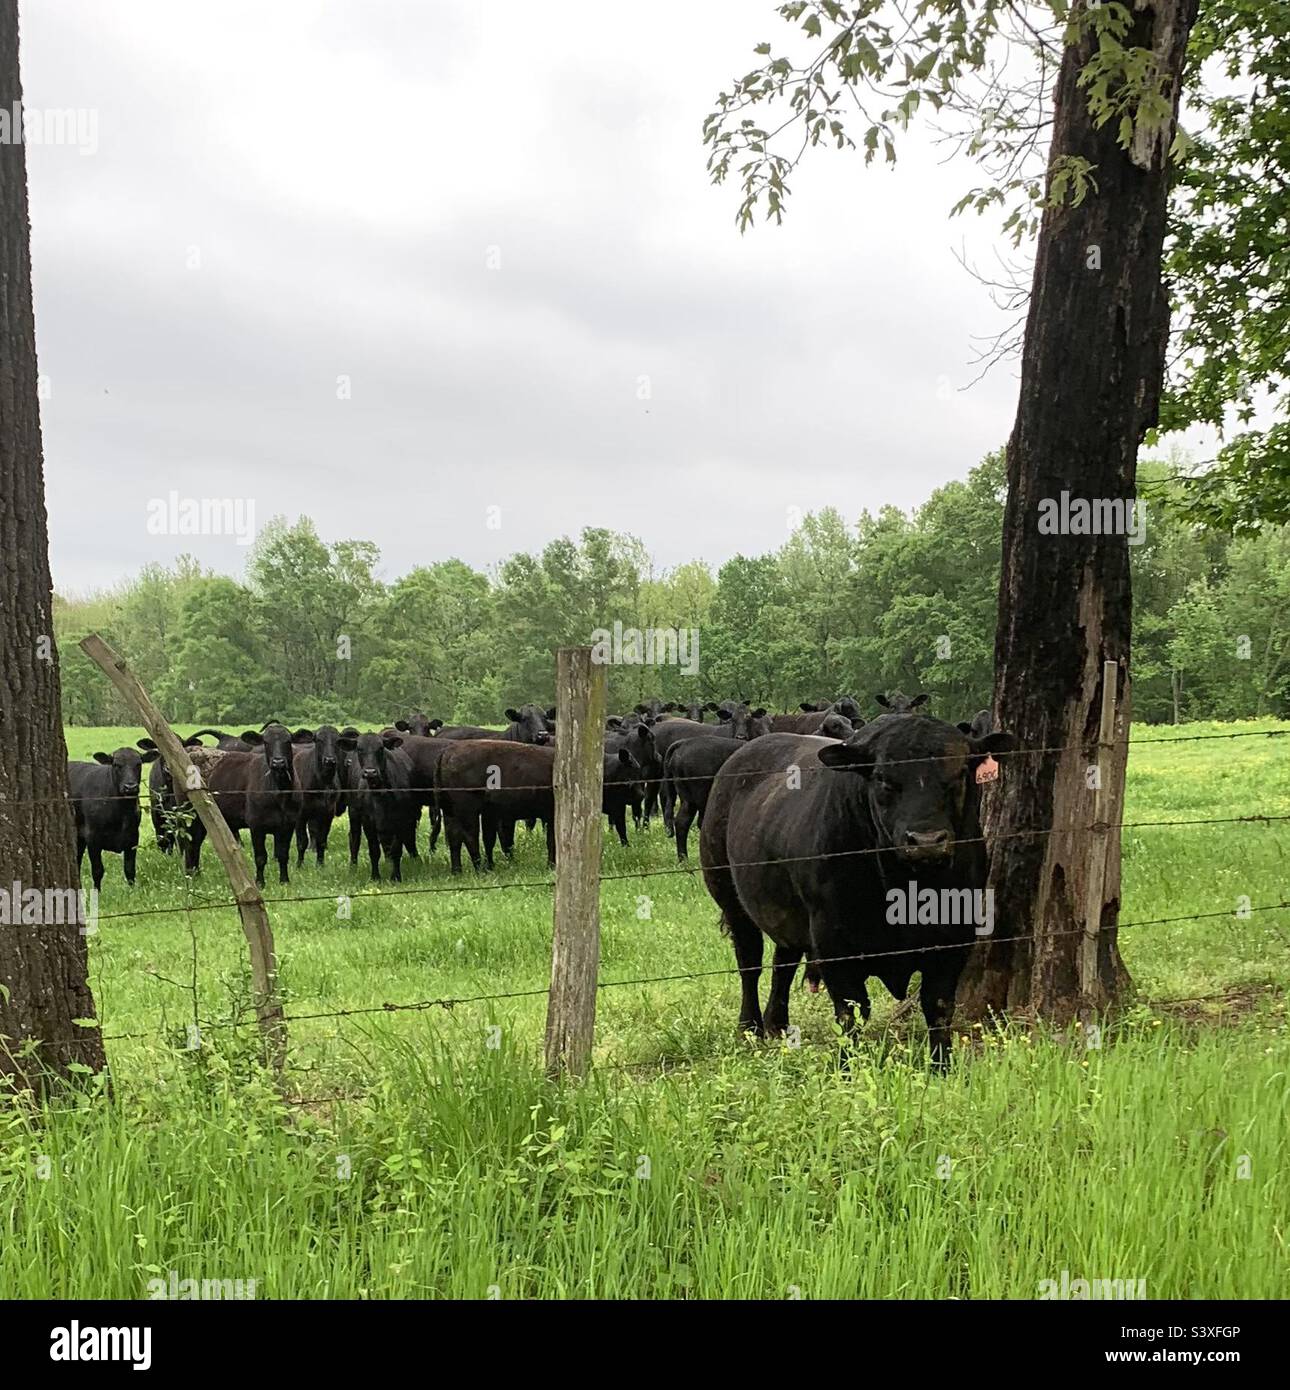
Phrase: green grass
(692, 1164)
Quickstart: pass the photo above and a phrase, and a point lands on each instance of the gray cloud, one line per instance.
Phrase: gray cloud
(343, 172)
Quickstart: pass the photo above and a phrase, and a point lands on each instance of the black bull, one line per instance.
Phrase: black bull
(814, 843)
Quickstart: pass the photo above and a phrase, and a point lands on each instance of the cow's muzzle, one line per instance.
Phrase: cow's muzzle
(920, 846)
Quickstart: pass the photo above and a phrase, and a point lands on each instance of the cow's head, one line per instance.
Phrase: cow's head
(899, 703)
(419, 724)
(848, 708)
(696, 711)
(813, 706)
(127, 768)
(918, 780)
(837, 726)
(275, 742)
(622, 766)
(745, 723)
(327, 752)
(368, 752)
(982, 723)
(644, 751)
(534, 725)
(151, 753)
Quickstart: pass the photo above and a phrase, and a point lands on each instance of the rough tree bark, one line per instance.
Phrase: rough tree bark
(1092, 369)
(43, 984)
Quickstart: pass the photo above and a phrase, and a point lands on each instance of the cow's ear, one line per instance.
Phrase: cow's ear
(642, 709)
(251, 736)
(303, 736)
(807, 706)
(724, 716)
(919, 700)
(435, 724)
(883, 701)
(513, 715)
(193, 741)
(759, 713)
(105, 758)
(711, 707)
(963, 727)
(150, 756)
(644, 733)
(626, 758)
(550, 714)
(613, 722)
(1001, 741)
(402, 724)
(144, 743)
(392, 741)
(855, 755)
(669, 707)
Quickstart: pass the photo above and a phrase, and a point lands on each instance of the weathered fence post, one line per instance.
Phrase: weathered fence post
(250, 905)
(579, 773)
(1099, 843)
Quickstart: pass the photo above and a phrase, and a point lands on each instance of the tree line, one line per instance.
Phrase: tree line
(897, 600)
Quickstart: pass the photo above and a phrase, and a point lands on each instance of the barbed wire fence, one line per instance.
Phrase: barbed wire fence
(578, 777)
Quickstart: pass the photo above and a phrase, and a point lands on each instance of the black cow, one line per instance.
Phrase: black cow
(734, 720)
(828, 722)
(528, 724)
(641, 741)
(898, 703)
(162, 804)
(620, 788)
(255, 791)
(383, 804)
(105, 808)
(318, 777)
(226, 743)
(812, 843)
(687, 780)
(491, 785)
(424, 755)
(419, 724)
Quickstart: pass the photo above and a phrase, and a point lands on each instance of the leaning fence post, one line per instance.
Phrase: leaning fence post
(250, 904)
(575, 947)
(1099, 843)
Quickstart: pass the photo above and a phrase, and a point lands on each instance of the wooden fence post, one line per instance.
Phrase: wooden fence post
(579, 774)
(250, 904)
(1099, 844)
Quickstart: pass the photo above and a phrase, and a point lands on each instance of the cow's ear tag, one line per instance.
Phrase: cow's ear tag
(987, 771)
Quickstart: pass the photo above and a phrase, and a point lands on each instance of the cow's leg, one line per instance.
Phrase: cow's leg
(549, 823)
(436, 824)
(96, 866)
(651, 801)
(506, 836)
(355, 836)
(936, 995)
(410, 833)
(783, 972)
(636, 814)
(618, 819)
(320, 832)
(452, 832)
(260, 853)
(681, 823)
(193, 848)
(127, 863)
(490, 836)
(746, 938)
(282, 851)
(394, 852)
(302, 839)
(80, 853)
(374, 852)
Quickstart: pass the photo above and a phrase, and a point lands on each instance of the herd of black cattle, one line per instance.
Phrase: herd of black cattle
(811, 824)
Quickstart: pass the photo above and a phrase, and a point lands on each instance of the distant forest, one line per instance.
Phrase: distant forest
(897, 600)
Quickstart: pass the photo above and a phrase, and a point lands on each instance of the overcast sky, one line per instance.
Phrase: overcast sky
(494, 218)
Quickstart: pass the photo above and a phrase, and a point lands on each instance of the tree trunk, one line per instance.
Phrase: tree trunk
(42, 967)
(1092, 370)
(1175, 682)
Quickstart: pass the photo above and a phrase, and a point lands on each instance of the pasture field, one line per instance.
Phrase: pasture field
(412, 1159)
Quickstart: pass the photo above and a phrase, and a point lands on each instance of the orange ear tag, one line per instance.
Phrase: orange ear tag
(988, 771)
